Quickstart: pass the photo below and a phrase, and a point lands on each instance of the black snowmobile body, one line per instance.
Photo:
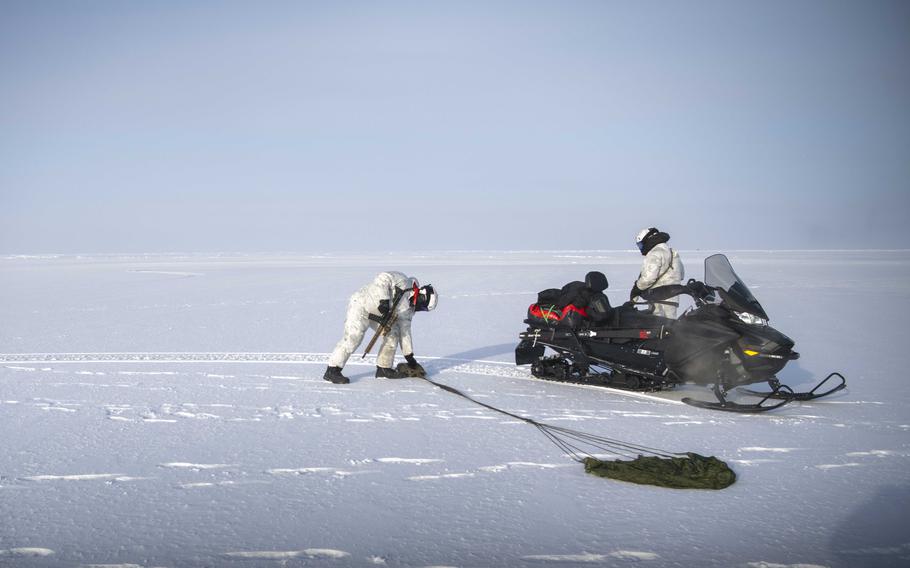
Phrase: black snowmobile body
(723, 342)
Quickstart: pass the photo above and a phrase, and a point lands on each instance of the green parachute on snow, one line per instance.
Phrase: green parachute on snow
(646, 466)
(691, 471)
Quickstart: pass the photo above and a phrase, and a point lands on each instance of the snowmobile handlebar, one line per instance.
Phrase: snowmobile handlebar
(697, 290)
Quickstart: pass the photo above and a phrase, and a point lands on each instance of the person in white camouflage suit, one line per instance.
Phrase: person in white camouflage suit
(661, 267)
(366, 308)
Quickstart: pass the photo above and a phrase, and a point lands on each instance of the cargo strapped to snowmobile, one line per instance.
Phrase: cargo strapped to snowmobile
(551, 315)
(643, 465)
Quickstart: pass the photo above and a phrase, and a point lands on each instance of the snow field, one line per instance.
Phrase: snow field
(139, 442)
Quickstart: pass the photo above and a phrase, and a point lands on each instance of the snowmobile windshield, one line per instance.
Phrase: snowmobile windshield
(719, 274)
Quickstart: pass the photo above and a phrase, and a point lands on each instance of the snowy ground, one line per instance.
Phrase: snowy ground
(134, 441)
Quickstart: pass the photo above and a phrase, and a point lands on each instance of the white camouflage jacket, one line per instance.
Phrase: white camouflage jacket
(660, 267)
(383, 287)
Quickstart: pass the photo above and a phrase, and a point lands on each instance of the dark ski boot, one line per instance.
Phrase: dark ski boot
(389, 373)
(333, 375)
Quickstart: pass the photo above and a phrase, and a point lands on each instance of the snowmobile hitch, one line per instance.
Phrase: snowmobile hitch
(804, 396)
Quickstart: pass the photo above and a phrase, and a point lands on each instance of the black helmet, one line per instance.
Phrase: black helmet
(425, 299)
(646, 239)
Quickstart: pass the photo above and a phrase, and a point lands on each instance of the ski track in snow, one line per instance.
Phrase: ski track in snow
(444, 364)
(196, 466)
(174, 412)
(312, 553)
(26, 552)
(168, 273)
(776, 565)
(129, 565)
(74, 477)
(415, 461)
(587, 557)
(170, 413)
(827, 466)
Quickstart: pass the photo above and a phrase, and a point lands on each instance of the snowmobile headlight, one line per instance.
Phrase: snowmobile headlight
(750, 319)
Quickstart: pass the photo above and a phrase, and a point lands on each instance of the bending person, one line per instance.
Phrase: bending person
(369, 306)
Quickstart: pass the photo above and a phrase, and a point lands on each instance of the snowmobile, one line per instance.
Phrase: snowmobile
(724, 341)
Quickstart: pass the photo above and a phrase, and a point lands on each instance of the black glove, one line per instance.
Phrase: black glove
(383, 307)
(635, 292)
(412, 368)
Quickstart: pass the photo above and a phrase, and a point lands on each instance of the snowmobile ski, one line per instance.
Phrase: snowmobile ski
(804, 396)
(730, 406)
(734, 406)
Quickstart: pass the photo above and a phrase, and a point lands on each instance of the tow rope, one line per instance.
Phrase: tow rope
(642, 465)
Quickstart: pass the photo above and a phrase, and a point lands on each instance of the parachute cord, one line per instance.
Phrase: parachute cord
(567, 439)
(616, 445)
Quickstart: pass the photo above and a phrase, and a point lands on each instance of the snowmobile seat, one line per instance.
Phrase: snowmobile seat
(599, 308)
(628, 316)
(596, 281)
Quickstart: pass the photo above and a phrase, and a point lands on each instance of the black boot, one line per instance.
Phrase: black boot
(389, 373)
(333, 375)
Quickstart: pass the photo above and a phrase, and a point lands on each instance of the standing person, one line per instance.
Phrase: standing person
(366, 308)
(661, 267)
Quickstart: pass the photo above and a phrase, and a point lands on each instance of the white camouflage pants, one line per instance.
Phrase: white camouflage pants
(666, 311)
(356, 323)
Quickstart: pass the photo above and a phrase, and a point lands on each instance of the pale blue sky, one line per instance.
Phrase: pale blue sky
(313, 126)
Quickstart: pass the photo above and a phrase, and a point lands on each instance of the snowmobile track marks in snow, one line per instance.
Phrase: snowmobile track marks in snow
(434, 365)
